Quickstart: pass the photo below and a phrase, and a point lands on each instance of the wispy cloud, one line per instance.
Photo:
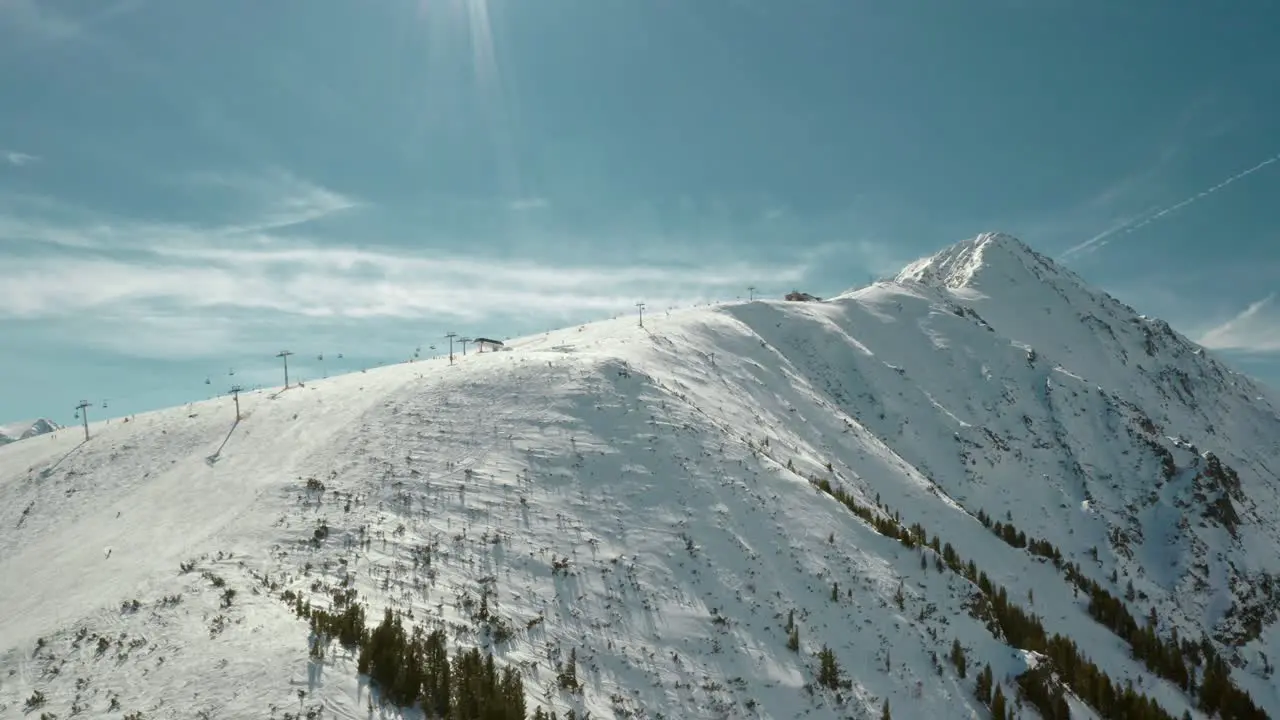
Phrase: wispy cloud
(277, 199)
(870, 255)
(1256, 329)
(41, 18)
(184, 290)
(533, 203)
(317, 281)
(260, 205)
(19, 159)
(1140, 221)
(37, 20)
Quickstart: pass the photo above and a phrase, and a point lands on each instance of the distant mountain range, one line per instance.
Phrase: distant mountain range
(13, 432)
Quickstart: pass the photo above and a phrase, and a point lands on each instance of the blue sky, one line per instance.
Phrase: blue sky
(187, 187)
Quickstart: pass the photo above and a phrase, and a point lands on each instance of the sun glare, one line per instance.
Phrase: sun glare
(461, 39)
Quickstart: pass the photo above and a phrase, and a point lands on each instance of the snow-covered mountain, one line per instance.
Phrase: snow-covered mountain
(14, 432)
(983, 474)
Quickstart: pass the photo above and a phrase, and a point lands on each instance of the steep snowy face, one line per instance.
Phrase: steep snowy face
(990, 261)
(1116, 440)
(1063, 321)
(1001, 270)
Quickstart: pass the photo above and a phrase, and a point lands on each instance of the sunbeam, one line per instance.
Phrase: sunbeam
(461, 44)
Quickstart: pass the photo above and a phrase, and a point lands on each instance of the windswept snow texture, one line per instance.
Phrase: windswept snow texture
(667, 469)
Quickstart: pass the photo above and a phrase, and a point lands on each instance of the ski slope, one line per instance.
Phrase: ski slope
(644, 497)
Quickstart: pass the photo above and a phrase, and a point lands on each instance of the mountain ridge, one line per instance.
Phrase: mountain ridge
(667, 501)
(21, 430)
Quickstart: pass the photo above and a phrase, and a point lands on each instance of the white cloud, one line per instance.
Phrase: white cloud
(174, 290)
(278, 199)
(880, 258)
(328, 282)
(272, 202)
(1256, 329)
(19, 159)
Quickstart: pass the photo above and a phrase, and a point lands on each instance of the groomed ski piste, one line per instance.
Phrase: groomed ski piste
(648, 498)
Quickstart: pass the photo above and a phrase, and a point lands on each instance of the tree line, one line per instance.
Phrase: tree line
(1021, 629)
(1174, 659)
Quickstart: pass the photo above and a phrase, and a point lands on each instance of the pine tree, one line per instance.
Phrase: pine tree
(568, 677)
(828, 668)
(998, 710)
(983, 688)
(957, 657)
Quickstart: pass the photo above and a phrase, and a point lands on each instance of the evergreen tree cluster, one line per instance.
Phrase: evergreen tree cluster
(412, 667)
(1172, 659)
(991, 694)
(344, 622)
(1037, 688)
(1023, 630)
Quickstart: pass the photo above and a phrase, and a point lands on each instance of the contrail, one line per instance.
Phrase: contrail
(1141, 221)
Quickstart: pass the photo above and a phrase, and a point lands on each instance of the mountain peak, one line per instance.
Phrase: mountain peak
(992, 257)
(14, 432)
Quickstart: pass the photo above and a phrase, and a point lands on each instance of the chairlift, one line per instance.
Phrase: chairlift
(104, 404)
(320, 357)
(339, 356)
(207, 381)
(231, 371)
